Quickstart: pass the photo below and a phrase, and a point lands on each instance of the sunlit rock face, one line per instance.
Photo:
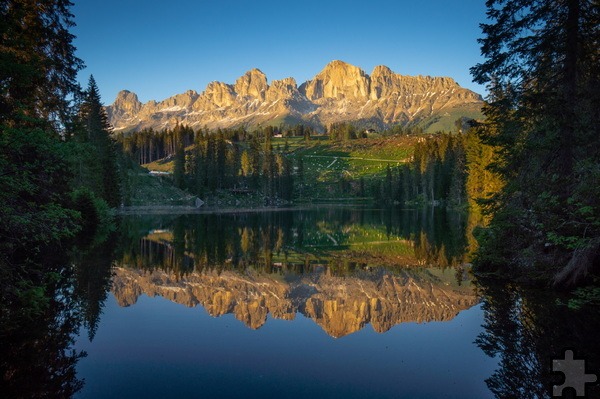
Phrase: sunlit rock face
(340, 305)
(216, 95)
(253, 85)
(340, 92)
(339, 81)
(125, 109)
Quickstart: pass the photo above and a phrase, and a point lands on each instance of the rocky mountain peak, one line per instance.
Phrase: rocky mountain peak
(125, 108)
(128, 101)
(180, 101)
(282, 89)
(285, 82)
(338, 80)
(381, 70)
(253, 84)
(337, 65)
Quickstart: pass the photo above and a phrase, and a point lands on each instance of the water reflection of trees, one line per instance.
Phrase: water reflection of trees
(92, 279)
(37, 332)
(342, 267)
(343, 239)
(526, 329)
(42, 311)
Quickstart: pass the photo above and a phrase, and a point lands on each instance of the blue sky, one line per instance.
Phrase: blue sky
(158, 48)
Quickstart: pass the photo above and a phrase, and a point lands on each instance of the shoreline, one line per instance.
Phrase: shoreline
(186, 209)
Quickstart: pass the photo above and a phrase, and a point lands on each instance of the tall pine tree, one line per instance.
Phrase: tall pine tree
(38, 68)
(97, 133)
(542, 70)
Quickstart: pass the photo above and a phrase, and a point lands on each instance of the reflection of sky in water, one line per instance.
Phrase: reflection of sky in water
(319, 267)
(159, 349)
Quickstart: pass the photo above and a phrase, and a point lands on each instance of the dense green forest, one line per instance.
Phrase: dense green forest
(542, 70)
(58, 159)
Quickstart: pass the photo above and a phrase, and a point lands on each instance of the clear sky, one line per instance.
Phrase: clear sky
(161, 48)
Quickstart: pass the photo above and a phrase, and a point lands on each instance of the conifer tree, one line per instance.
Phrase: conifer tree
(221, 159)
(543, 76)
(39, 67)
(269, 170)
(198, 166)
(37, 79)
(246, 167)
(179, 160)
(97, 133)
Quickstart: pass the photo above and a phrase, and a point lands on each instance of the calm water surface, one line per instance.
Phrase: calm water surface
(321, 303)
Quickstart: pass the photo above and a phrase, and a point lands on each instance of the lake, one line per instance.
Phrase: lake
(333, 302)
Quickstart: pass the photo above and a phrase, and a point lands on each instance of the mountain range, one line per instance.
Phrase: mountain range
(339, 93)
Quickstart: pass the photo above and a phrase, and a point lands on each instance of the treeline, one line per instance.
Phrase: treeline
(448, 169)
(249, 166)
(228, 159)
(149, 145)
(345, 131)
(400, 130)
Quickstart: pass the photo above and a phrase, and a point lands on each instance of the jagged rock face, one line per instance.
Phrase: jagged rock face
(179, 101)
(215, 96)
(253, 85)
(338, 81)
(125, 109)
(340, 305)
(383, 82)
(128, 102)
(283, 89)
(340, 92)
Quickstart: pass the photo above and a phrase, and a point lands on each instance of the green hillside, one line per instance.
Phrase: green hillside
(332, 170)
(143, 189)
(324, 170)
(446, 122)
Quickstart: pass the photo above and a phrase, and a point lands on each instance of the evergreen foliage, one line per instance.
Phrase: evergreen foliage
(542, 70)
(37, 80)
(38, 68)
(205, 162)
(342, 131)
(51, 157)
(446, 169)
(38, 65)
(96, 167)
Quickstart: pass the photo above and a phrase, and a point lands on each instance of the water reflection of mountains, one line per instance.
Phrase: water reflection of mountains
(341, 268)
